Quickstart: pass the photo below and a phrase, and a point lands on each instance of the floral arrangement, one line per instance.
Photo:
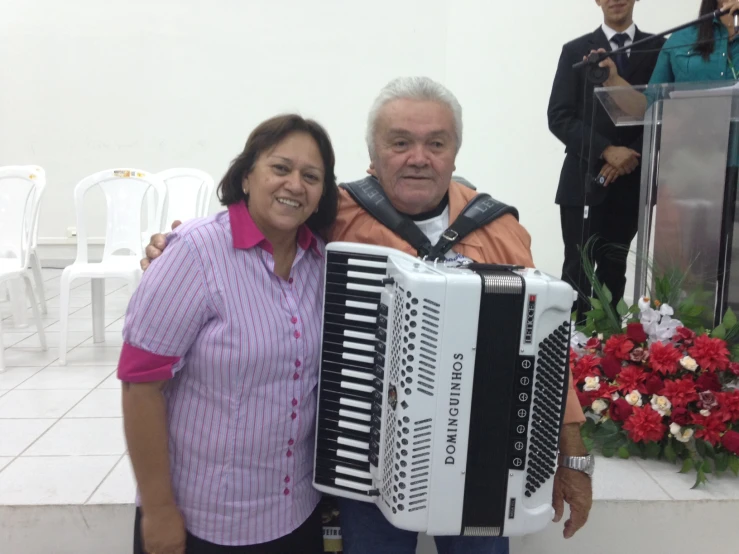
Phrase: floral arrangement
(656, 387)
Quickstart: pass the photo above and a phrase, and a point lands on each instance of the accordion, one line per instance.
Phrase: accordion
(442, 390)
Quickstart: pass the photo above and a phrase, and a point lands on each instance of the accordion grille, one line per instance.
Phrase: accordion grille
(548, 399)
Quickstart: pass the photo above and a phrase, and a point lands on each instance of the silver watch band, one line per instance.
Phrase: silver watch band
(585, 464)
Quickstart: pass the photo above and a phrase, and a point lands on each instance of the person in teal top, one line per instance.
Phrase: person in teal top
(705, 52)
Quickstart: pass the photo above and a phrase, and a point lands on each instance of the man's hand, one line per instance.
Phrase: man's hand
(624, 159)
(157, 244)
(614, 79)
(572, 486)
(609, 173)
(163, 531)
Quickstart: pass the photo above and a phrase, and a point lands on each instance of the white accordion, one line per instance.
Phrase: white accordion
(442, 390)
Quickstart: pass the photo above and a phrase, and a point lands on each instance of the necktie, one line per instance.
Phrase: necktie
(621, 60)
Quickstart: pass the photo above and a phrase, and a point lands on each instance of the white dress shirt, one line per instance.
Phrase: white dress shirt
(610, 33)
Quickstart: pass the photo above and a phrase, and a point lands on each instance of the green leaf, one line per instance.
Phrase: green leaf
(597, 315)
(596, 304)
(634, 449)
(670, 454)
(688, 465)
(700, 478)
(700, 447)
(623, 453)
(679, 448)
(607, 294)
(722, 462)
(589, 443)
(653, 450)
(710, 452)
(622, 308)
(719, 332)
(729, 319)
(734, 464)
(706, 467)
(735, 352)
(608, 451)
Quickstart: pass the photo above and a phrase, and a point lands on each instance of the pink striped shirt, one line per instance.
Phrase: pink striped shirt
(241, 346)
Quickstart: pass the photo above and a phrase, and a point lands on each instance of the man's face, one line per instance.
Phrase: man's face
(415, 148)
(617, 11)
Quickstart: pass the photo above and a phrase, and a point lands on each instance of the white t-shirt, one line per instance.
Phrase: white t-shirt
(434, 227)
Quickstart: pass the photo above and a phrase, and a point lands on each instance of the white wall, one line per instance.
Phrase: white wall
(87, 85)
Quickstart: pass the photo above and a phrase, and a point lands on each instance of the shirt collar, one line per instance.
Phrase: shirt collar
(247, 235)
(610, 33)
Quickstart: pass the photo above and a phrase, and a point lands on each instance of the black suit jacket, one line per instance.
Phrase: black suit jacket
(572, 100)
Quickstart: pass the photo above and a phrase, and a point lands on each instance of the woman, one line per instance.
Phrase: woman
(220, 358)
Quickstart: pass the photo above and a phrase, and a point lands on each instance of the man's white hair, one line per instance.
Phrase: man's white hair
(413, 88)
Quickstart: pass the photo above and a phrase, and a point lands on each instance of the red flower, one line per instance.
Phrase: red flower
(585, 398)
(730, 442)
(645, 425)
(680, 392)
(734, 368)
(632, 378)
(635, 332)
(708, 382)
(611, 367)
(654, 384)
(593, 343)
(639, 354)
(729, 405)
(684, 335)
(620, 410)
(664, 358)
(619, 346)
(587, 366)
(681, 416)
(711, 427)
(711, 354)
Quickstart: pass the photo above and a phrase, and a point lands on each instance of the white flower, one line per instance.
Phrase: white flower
(591, 384)
(599, 406)
(705, 413)
(615, 396)
(644, 303)
(578, 341)
(634, 398)
(666, 309)
(682, 435)
(658, 324)
(600, 336)
(689, 363)
(661, 405)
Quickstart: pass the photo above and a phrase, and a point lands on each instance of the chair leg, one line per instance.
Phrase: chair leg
(98, 310)
(38, 277)
(64, 285)
(18, 302)
(36, 313)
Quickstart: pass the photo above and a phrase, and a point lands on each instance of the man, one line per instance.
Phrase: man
(612, 152)
(414, 133)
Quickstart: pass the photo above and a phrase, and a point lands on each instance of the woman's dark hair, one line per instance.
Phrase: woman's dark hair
(267, 135)
(706, 39)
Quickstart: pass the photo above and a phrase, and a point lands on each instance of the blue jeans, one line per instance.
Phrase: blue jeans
(364, 530)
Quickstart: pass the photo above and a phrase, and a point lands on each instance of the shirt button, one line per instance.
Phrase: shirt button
(294, 319)
(296, 376)
(297, 333)
(286, 492)
(293, 415)
(290, 280)
(290, 442)
(295, 402)
(297, 363)
(287, 479)
(289, 453)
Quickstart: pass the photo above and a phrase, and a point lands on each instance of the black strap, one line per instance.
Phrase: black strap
(480, 211)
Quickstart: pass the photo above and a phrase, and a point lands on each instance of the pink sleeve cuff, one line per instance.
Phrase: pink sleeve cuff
(139, 366)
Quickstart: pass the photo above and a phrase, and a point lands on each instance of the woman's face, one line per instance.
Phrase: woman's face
(285, 185)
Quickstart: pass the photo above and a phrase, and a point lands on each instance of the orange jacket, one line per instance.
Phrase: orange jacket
(503, 241)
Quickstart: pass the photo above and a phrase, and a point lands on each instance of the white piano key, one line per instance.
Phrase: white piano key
(358, 358)
(353, 472)
(355, 386)
(365, 276)
(367, 263)
(358, 335)
(360, 305)
(356, 317)
(352, 485)
(352, 455)
(357, 374)
(355, 427)
(353, 443)
(354, 415)
(355, 404)
(365, 288)
(359, 346)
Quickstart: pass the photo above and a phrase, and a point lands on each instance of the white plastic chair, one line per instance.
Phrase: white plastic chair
(125, 191)
(19, 192)
(188, 196)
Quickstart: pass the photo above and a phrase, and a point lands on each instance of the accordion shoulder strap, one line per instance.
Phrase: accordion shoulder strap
(480, 211)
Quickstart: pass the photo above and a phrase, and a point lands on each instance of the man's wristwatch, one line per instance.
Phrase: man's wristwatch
(586, 464)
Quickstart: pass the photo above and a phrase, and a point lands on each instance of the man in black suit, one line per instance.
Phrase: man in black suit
(613, 157)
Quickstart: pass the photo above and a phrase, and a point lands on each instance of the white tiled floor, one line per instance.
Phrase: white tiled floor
(61, 432)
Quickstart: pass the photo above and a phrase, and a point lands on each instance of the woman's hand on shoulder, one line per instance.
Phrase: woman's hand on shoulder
(157, 244)
(163, 530)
